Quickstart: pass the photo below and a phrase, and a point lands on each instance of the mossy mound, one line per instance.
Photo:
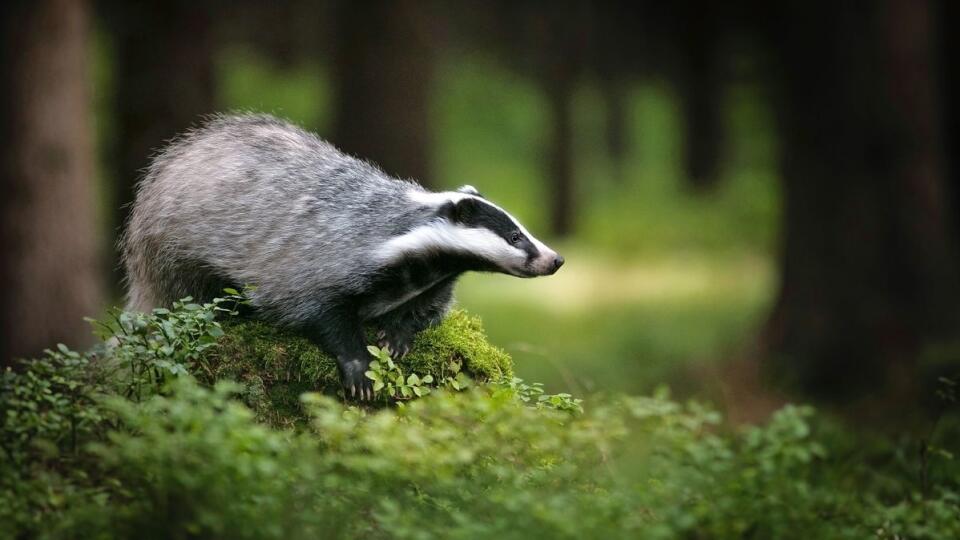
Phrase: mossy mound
(278, 365)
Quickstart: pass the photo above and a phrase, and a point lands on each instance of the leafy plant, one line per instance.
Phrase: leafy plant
(49, 405)
(389, 380)
(153, 347)
(533, 393)
(391, 383)
(115, 444)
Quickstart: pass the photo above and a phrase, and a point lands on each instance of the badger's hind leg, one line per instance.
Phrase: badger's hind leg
(157, 276)
(397, 328)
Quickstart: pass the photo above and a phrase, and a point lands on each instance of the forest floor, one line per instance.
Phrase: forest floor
(603, 323)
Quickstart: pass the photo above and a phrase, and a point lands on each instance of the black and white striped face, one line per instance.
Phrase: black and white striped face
(468, 224)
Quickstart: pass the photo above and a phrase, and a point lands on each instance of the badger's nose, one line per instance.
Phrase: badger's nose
(557, 263)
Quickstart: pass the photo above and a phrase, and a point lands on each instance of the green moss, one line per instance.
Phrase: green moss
(277, 365)
(460, 338)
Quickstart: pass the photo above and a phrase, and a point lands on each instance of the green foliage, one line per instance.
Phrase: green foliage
(390, 383)
(117, 444)
(51, 403)
(393, 385)
(49, 413)
(276, 365)
(165, 343)
(195, 463)
(533, 394)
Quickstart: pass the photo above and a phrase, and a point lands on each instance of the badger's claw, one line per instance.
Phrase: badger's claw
(356, 384)
(396, 346)
(366, 394)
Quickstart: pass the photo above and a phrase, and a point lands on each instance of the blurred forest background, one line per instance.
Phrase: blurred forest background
(753, 197)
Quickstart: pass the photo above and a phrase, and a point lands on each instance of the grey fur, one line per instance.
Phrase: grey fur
(250, 199)
(261, 202)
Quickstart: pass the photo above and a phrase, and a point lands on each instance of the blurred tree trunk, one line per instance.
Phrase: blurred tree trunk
(383, 72)
(48, 243)
(559, 38)
(869, 270)
(700, 92)
(617, 135)
(164, 69)
(948, 17)
(560, 153)
(615, 56)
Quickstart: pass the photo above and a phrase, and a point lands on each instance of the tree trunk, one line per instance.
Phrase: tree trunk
(559, 43)
(617, 57)
(701, 93)
(164, 70)
(869, 274)
(616, 128)
(48, 249)
(560, 154)
(383, 72)
(948, 16)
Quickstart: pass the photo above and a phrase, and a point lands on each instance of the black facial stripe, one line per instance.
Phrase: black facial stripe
(480, 214)
(530, 249)
(484, 216)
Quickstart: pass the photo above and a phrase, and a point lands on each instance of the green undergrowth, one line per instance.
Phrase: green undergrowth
(182, 426)
(276, 366)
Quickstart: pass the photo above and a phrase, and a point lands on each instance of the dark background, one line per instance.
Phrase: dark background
(756, 199)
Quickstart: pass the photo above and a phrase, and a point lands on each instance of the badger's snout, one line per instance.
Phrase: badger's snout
(546, 264)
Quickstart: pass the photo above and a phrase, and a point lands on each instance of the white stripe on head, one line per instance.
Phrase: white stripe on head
(430, 198)
(442, 236)
(539, 245)
(438, 199)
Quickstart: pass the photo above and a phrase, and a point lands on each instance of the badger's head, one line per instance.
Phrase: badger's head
(464, 224)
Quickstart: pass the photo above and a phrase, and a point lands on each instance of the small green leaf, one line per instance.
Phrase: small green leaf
(427, 379)
(232, 291)
(413, 380)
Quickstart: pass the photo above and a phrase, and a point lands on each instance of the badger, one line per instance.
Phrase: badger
(330, 243)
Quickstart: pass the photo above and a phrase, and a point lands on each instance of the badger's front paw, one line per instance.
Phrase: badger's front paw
(356, 384)
(397, 344)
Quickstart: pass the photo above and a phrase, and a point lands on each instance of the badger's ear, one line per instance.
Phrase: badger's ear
(460, 211)
(469, 190)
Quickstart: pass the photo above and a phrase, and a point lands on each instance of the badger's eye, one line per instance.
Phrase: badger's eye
(515, 237)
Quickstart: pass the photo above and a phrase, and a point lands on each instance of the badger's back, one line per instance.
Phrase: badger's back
(253, 200)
